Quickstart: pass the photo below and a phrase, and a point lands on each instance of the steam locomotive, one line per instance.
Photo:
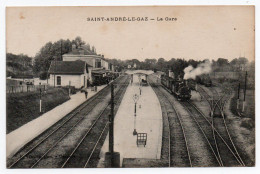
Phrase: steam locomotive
(192, 84)
(178, 87)
(204, 80)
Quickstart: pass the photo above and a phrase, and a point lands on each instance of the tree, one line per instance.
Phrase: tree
(239, 63)
(49, 52)
(150, 61)
(222, 62)
(78, 42)
(193, 63)
(242, 61)
(161, 64)
(234, 62)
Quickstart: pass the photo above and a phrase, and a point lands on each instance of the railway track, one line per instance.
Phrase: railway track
(37, 149)
(178, 152)
(196, 159)
(83, 153)
(210, 100)
(218, 143)
(222, 124)
(225, 146)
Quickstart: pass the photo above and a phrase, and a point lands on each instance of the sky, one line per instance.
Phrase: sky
(200, 32)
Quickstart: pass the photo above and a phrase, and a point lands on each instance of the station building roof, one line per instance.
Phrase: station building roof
(68, 67)
(99, 71)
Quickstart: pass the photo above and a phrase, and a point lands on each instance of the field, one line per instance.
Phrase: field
(24, 107)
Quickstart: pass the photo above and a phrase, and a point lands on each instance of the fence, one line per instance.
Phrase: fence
(25, 88)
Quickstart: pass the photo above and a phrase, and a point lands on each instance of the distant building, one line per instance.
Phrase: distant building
(74, 73)
(99, 66)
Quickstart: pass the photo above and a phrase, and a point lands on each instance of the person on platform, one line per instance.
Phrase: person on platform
(86, 93)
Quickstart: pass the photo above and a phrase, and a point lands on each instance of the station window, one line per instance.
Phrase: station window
(98, 63)
(58, 80)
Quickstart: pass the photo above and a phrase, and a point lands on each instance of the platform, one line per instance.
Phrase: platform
(148, 120)
(24, 134)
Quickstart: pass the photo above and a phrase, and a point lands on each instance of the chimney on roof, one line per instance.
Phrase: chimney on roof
(73, 47)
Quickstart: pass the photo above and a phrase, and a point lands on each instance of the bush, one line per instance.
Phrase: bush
(247, 123)
(43, 75)
(9, 73)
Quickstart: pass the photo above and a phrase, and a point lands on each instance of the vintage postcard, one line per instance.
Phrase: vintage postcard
(130, 86)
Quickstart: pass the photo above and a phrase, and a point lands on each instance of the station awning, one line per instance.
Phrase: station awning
(101, 71)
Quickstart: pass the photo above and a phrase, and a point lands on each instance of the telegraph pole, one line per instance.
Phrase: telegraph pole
(243, 109)
(47, 78)
(54, 71)
(238, 93)
(61, 50)
(40, 99)
(112, 159)
(111, 124)
(69, 88)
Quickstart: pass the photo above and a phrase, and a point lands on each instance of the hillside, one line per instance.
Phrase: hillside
(18, 65)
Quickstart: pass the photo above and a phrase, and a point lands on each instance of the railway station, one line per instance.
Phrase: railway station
(145, 119)
(98, 94)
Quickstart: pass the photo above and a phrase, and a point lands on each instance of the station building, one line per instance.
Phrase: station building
(99, 66)
(80, 68)
(73, 73)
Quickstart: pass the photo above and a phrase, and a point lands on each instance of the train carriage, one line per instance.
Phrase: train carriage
(206, 80)
(178, 87)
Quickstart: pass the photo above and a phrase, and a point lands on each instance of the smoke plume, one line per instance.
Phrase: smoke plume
(192, 73)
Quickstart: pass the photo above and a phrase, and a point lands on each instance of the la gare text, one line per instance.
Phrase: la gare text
(130, 19)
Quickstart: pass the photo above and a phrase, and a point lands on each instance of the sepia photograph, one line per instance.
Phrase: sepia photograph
(130, 86)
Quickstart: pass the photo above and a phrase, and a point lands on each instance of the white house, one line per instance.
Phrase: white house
(73, 73)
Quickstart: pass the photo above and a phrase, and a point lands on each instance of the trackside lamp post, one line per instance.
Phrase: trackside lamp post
(135, 98)
(140, 84)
